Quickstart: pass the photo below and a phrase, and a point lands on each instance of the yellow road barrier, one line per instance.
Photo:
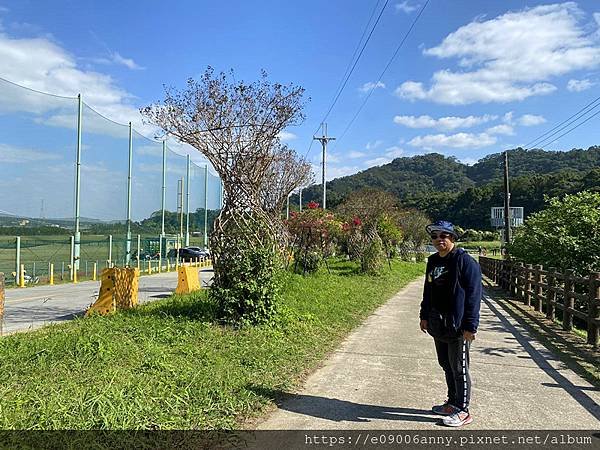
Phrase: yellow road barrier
(187, 280)
(119, 290)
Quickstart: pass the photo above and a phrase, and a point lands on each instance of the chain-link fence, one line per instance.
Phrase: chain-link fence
(66, 168)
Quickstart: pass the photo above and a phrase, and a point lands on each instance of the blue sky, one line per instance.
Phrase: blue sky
(474, 77)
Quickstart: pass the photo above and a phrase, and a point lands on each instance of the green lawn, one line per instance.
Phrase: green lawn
(168, 365)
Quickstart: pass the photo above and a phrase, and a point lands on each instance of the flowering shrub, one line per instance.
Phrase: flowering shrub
(314, 234)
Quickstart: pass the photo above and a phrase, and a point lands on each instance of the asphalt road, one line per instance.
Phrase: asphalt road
(32, 307)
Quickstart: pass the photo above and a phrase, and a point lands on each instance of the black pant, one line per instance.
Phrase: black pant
(453, 356)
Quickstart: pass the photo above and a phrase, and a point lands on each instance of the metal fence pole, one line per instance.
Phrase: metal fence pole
(187, 203)
(164, 187)
(17, 258)
(139, 243)
(206, 206)
(128, 243)
(72, 264)
(110, 250)
(77, 243)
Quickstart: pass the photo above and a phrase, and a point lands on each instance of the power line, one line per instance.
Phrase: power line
(384, 70)
(543, 137)
(351, 65)
(355, 62)
(575, 127)
(357, 46)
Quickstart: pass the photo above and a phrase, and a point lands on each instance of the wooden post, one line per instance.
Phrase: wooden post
(551, 293)
(538, 288)
(520, 283)
(593, 334)
(569, 300)
(528, 278)
(512, 280)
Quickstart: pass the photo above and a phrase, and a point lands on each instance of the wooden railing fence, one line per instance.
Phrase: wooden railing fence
(548, 290)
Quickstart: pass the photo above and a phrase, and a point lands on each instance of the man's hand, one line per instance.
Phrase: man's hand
(423, 325)
(468, 336)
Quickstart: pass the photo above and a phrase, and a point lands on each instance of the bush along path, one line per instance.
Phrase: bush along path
(170, 365)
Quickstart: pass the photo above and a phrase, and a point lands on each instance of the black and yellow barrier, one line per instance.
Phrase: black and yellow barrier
(119, 290)
(187, 280)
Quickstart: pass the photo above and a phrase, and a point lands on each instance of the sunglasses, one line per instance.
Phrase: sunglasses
(441, 236)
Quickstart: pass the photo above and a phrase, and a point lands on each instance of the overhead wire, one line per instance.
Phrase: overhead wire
(352, 65)
(391, 60)
(575, 127)
(540, 140)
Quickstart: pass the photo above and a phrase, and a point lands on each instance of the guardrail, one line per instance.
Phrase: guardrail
(548, 290)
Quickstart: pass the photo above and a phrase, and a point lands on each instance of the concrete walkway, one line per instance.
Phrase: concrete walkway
(30, 308)
(385, 375)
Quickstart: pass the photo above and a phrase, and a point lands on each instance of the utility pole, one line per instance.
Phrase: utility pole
(506, 202)
(324, 139)
(300, 200)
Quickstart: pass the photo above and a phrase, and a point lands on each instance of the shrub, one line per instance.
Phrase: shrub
(565, 235)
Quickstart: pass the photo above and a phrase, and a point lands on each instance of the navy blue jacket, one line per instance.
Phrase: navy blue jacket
(466, 293)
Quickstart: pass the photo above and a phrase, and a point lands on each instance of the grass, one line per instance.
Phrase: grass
(169, 365)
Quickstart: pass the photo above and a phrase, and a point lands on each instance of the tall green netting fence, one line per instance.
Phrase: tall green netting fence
(38, 153)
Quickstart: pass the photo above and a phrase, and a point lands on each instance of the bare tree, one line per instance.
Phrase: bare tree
(285, 174)
(235, 125)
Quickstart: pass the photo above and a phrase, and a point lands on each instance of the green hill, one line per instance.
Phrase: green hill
(444, 187)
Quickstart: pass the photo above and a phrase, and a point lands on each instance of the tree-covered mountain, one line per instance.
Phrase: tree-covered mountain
(535, 161)
(444, 187)
(402, 177)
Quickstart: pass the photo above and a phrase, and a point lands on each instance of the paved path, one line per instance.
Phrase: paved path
(385, 375)
(34, 307)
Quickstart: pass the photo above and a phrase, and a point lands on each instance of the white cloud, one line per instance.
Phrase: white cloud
(333, 158)
(579, 85)
(530, 120)
(394, 152)
(377, 161)
(40, 64)
(286, 136)
(459, 140)
(443, 123)
(148, 150)
(336, 171)
(468, 161)
(510, 57)
(501, 129)
(508, 118)
(406, 7)
(10, 154)
(127, 62)
(353, 154)
(371, 86)
(373, 145)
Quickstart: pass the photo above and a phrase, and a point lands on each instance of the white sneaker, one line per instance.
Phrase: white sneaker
(458, 419)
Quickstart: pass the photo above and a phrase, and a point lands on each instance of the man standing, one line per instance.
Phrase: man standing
(450, 314)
